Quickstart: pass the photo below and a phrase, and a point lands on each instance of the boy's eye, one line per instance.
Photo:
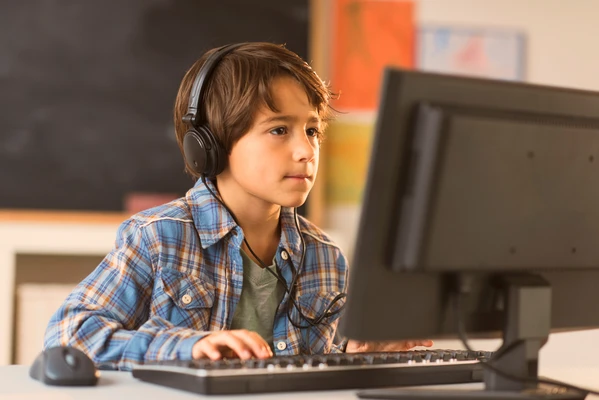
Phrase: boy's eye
(279, 131)
(312, 132)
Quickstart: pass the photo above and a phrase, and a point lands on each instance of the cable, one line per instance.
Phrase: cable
(291, 289)
(327, 312)
(485, 364)
(277, 275)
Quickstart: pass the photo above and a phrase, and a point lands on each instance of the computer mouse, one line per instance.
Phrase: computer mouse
(64, 366)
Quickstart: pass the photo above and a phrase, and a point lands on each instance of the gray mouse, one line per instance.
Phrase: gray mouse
(64, 366)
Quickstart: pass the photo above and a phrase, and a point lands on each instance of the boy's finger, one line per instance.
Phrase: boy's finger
(265, 348)
(240, 348)
(205, 348)
(410, 344)
(254, 342)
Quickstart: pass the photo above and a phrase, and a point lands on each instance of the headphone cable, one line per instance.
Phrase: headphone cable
(291, 289)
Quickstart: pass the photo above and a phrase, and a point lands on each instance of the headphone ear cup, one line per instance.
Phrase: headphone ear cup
(203, 153)
(195, 151)
(217, 156)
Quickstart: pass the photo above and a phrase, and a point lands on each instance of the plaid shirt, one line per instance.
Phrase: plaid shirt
(176, 273)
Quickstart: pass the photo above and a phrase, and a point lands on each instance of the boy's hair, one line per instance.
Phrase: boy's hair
(241, 84)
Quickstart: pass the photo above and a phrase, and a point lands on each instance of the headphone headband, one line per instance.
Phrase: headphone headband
(197, 90)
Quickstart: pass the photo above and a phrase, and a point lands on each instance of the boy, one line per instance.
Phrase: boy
(229, 269)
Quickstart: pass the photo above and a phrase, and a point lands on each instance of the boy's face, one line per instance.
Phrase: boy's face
(277, 159)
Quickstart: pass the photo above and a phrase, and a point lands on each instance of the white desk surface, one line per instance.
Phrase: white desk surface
(15, 384)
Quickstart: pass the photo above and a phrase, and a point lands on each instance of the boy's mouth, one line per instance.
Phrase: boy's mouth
(299, 177)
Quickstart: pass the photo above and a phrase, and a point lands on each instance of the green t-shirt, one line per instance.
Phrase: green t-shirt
(260, 296)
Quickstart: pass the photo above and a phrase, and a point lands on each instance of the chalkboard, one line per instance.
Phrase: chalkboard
(87, 90)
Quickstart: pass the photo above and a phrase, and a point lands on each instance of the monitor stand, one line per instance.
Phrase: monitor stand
(526, 330)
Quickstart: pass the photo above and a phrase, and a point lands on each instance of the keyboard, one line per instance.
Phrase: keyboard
(318, 372)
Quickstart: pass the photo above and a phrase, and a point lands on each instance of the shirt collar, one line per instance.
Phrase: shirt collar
(213, 221)
(290, 237)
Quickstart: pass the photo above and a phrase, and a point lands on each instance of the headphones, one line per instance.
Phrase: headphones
(203, 153)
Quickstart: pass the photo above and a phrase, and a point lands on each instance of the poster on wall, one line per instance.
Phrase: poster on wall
(367, 35)
(479, 52)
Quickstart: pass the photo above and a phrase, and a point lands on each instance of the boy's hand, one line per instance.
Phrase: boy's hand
(236, 343)
(354, 346)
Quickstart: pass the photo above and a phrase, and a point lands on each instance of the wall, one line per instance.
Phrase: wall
(560, 51)
(560, 33)
(88, 90)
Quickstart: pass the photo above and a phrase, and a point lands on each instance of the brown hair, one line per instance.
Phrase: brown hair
(240, 84)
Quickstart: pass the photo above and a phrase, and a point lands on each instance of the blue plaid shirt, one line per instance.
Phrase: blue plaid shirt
(176, 273)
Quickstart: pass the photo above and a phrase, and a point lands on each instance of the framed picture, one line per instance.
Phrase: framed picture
(480, 52)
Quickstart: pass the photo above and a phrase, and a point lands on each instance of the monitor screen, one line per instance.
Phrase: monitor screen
(479, 215)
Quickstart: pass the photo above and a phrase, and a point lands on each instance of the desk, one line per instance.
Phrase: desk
(39, 232)
(15, 384)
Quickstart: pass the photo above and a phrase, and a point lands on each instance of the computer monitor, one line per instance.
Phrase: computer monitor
(481, 211)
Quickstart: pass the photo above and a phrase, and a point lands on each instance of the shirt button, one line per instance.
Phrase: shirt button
(284, 255)
(281, 345)
(186, 299)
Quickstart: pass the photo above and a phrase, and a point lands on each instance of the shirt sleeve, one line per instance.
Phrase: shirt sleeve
(339, 347)
(107, 314)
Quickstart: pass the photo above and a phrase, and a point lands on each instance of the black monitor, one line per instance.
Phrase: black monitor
(480, 217)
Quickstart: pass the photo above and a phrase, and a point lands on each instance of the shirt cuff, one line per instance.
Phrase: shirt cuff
(184, 352)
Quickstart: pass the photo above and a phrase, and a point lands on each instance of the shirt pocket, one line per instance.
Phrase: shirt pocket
(313, 305)
(191, 299)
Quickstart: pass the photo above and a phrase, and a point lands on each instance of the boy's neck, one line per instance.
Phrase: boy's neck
(259, 220)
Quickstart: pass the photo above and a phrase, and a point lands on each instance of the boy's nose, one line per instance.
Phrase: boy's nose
(304, 150)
